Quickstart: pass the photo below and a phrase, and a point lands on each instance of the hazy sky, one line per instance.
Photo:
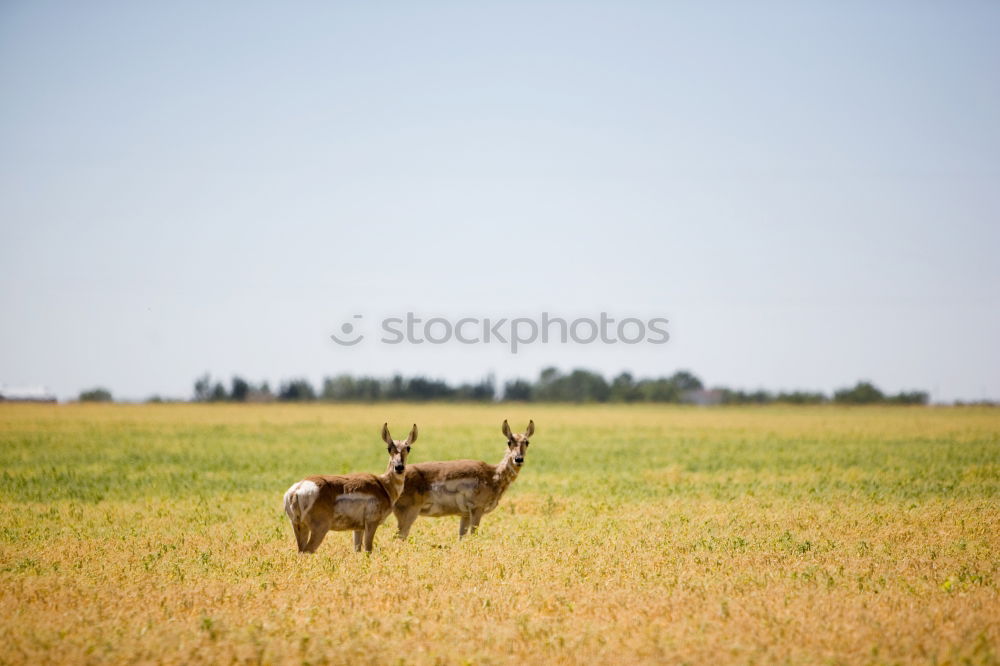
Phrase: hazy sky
(809, 192)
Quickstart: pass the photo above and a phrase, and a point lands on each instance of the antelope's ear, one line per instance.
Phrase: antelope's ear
(505, 429)
(385, 434)
(413, 435)
(531, 429)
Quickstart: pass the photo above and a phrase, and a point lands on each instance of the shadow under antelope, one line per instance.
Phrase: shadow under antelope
(358, 502)
(466, 488)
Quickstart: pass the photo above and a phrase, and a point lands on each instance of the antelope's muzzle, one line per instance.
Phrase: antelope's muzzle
(400, 467)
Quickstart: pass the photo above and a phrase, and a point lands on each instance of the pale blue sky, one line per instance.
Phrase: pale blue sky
(810, 192)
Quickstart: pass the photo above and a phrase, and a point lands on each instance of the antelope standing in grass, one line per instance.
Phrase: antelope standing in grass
(358, 502)
(466, 488)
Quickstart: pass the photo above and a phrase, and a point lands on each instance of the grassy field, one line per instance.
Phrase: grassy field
(633, 534)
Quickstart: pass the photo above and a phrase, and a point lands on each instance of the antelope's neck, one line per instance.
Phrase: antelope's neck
(392, 482)
(506, 472)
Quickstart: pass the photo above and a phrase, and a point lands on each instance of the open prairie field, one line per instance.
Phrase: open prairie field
(138, 534)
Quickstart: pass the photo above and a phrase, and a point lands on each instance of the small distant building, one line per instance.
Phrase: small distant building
(703, 397)
(26, 394)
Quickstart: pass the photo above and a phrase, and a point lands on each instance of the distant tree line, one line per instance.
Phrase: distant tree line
(96, 394)
(344, 388)
(580, 386)
(862, 393)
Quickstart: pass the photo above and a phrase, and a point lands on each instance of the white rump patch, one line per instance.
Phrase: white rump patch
(306, 493)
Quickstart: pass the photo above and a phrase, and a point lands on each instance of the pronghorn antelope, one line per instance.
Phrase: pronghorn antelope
(466, 488)
(358, 502)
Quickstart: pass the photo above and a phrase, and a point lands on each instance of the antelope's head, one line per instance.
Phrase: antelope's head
(398, 448)
(517, 442)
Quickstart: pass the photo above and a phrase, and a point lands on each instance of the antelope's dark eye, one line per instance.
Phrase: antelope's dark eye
(526, 444)
(407, 449)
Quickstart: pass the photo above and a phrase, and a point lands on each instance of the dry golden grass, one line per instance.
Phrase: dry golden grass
(141, 534)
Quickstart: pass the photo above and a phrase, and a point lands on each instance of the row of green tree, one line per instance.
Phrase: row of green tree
(344, 388)
(551, 386)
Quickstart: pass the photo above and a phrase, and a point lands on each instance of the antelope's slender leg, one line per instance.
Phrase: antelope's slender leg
(357, 540)
(301, 535)
(370, 535)
(477, 515)
(317, 532)
(405, 519)
(463, 527)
